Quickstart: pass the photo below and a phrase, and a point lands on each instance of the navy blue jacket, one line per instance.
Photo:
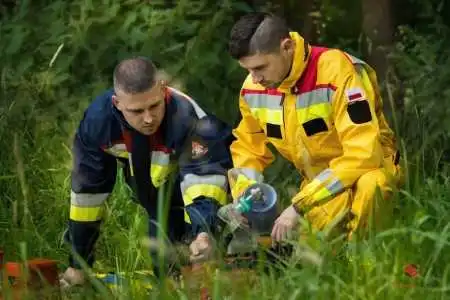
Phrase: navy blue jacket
(190, 144)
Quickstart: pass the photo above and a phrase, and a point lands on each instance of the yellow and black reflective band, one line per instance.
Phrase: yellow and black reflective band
(208, 186)
(267, 108)
(85, 207)
(314, 104)
(161, 167)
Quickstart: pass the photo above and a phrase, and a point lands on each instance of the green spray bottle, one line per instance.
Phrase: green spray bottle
(245, 203)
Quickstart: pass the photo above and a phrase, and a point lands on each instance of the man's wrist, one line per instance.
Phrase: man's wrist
(297, 208)
(202, 234)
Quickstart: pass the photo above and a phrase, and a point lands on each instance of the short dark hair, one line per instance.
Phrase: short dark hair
(257, 33)
(135, 75)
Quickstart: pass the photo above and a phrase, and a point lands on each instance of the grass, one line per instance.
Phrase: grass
(50, 70)
(371, 269)
(32, 225)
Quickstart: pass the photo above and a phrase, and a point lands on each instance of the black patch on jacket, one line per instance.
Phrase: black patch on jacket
(315, 126)
(359, 112)
(273, 131)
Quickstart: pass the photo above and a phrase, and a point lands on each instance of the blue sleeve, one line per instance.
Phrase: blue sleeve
(93, 170)
(93, 178)
(203, 168)
(203, 215)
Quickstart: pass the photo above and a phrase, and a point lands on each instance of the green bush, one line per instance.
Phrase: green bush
(422, 76)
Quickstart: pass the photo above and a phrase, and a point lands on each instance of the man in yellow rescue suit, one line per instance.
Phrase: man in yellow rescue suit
(321, 109)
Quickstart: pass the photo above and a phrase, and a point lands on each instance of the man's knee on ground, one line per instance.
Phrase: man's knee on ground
(371, 200)
(329, 212)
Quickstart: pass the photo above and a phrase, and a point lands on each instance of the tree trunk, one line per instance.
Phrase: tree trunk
(378, 28)
(309, 26)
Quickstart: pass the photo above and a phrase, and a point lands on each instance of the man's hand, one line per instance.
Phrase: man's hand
(201, 248)
(284, 224)
(71, 277)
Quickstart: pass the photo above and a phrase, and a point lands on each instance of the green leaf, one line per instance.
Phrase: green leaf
(17, 37)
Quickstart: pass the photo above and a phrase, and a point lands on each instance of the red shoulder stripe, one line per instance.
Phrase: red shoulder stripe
(261, 92)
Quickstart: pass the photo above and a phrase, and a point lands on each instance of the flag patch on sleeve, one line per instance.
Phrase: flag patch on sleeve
(355, 94)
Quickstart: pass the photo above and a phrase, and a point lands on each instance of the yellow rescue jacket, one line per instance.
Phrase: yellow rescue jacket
(326, 118)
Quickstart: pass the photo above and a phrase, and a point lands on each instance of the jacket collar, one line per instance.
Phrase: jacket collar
(299, 62)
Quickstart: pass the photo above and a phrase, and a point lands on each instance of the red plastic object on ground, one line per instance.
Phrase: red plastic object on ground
(35, 276)
(411, 270)
(36, 268)
(204, 294)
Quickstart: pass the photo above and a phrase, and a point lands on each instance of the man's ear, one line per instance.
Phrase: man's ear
(115, 102)
(163, 85)
(288, 45)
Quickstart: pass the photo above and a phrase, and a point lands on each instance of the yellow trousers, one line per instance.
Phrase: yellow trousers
(368, 204)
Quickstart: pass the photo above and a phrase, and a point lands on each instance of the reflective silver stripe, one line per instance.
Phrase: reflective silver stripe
(247, 172)
(87, 200)
(118, 150)
(335, 186)
(118, 147)
(200, 113)
(160, 158)
(318, 96)
(324, 175)
(192, 179)
(263, 101)
(252, 174)
(361, 69)
(356, 60)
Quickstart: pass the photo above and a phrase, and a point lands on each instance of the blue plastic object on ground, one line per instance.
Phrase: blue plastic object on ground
(114, 280)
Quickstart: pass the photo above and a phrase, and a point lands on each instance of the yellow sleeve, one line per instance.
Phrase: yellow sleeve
(357, 128)
(249, 152)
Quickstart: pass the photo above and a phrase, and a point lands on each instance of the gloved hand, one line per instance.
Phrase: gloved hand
(71, 277)
(201, 248)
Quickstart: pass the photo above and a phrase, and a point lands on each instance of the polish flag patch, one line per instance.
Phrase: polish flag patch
(354, 94)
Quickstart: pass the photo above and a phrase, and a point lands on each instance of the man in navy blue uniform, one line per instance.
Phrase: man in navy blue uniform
(155, 131)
